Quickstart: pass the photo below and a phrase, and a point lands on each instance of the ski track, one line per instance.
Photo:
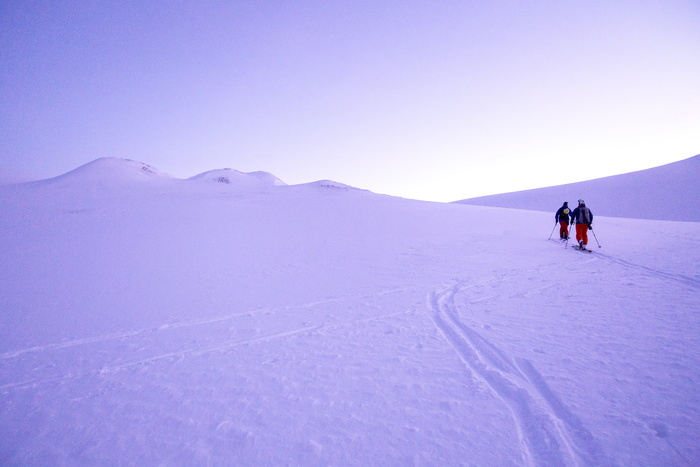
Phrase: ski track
(152, 335)
(69, 376)
(551, 434)
(656, 272)
(187, 323)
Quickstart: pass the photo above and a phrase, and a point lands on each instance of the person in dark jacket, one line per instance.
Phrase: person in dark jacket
(583, 218)
(562, 216)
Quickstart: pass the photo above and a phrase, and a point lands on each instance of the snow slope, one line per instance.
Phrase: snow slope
(151, 320)
(668, 192)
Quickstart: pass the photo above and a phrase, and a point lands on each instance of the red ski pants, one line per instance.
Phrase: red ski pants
(582, 233)
(563, 229)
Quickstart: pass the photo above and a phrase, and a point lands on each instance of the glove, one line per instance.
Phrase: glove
(590, 227)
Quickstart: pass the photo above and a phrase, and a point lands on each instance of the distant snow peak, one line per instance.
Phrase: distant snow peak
(116, 165)
(234, 177)
(112, 169)
(332, 184)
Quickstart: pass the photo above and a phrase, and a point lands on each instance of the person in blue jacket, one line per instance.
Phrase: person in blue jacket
(562, 217)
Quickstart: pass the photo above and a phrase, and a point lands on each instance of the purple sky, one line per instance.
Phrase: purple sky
(437, 100)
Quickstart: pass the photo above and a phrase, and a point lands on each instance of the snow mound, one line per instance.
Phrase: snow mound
(661, 193)
(237, 178)
(330, 184)
(111, 169)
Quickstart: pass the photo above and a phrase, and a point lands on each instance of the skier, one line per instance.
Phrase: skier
(562, 217)
(583, 218)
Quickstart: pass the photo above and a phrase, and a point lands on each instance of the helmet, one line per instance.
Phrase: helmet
(580, 202)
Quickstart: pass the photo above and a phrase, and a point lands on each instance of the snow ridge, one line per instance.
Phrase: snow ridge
(661, 193)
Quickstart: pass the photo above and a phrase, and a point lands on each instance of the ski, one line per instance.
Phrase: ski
(580, 248)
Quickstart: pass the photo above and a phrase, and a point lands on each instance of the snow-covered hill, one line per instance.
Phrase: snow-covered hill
(239, 179)
(149, 320)
(111, 170)
(668, 192)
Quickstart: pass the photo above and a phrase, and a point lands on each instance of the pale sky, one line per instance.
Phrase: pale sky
(435, 100)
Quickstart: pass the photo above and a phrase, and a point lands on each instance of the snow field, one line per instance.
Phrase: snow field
(197, 322)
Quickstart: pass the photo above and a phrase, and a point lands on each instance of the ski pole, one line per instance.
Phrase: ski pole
(550, 235)
(596, 238)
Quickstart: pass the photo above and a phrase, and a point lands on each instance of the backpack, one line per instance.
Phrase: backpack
(564, 214)
(584, 215)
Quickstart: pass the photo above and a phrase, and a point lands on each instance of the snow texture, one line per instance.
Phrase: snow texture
(151, 320)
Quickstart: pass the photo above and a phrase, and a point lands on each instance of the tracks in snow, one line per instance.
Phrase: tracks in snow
(550, 432)
(112, 352)
(179, 324)
(655, 272)
(693, 282)
(67, 373)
